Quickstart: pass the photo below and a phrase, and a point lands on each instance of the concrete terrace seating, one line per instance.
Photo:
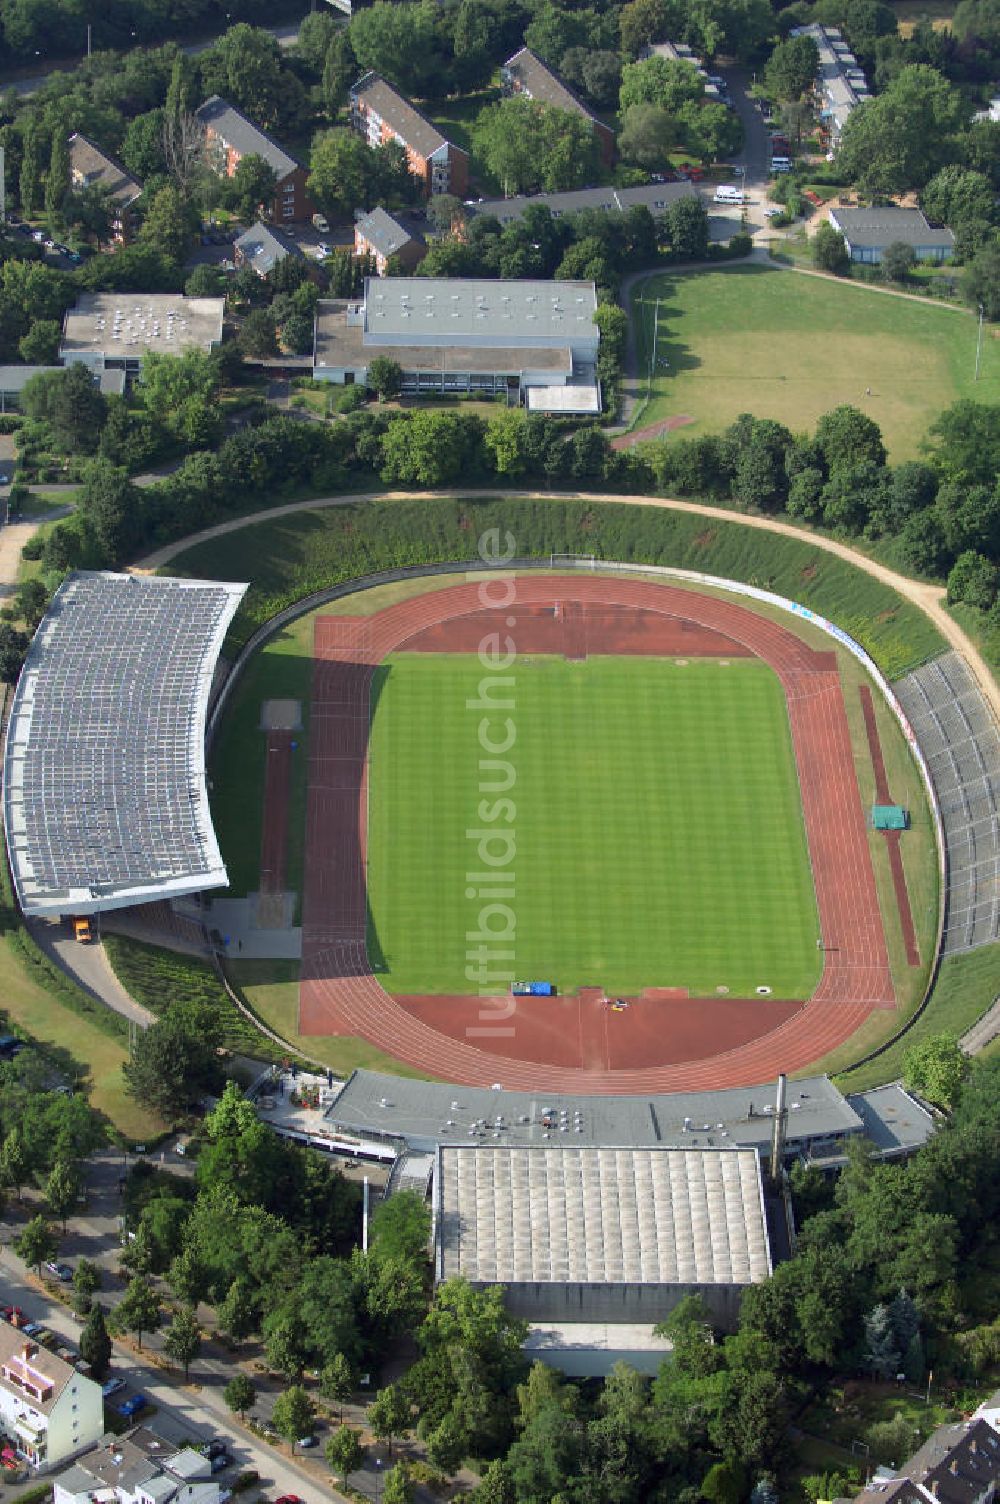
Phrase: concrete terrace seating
(961, 742)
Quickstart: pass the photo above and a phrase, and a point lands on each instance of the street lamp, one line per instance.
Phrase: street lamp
(378, 1479)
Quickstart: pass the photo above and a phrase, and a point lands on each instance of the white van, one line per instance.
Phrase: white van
(781, 164)
(727, 193)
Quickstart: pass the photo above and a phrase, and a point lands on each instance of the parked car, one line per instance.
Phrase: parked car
(323, 250)
(112, 1387)
(305, 1442)
(288, 1499)
(132, 1406)
(32, 1329)
(220, 1461)
(61, 1271)
(212, 1449)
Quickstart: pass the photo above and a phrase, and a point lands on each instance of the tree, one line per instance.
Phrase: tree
(400, 1227)
(71, 403)
(829, 249)
(258, 336)
(95, 1344)
(13, 1156)
(389, 1414)
(530, 146)
(240, 1394)
(936, 1066)
(40, 346)
(686, 226)
(57, 179)
(881, 1355)
(206, 281)
(847, 436)
(344, 1452)
(36, 1243)
(666, 83)
(171, 1067)
(407, 44)
(647, 134)
(286, 1346)
(170, 223)
(142, 145)
(792, 68)
(901, 138)
(182, 1339)
(31, 170)
(293, 1414)
(13, 647)
(61, 1190)
(980, 282)
(252, 186)
(957, 194)
(139, 1309)
(336, 1381)
(898, 261)
(237, 1313)
(244, 66)
(340, 69)
(87, 1280)
(724, 1483)
(398, 1487)
(182, 143)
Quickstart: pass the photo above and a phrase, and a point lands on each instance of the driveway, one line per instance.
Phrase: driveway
(88, 966)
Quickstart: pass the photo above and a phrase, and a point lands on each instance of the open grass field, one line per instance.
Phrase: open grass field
(770, 342)
(658, 826)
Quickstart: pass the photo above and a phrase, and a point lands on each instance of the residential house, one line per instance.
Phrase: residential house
(263, 246)
(867, 233)
(48, 1409)
(230, 136)
(534, 342)
(380, 114)
(92, 167)
(140, 1468)
(525, 73)
(381, 236)
(957, 1464)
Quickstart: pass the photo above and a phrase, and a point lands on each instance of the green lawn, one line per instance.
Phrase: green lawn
(779, 345)
(658, 826)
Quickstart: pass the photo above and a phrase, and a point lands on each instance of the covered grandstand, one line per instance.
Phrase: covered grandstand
(105, 795)
(959, 738)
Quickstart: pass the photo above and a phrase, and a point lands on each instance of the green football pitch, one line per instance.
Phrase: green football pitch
(656, 814)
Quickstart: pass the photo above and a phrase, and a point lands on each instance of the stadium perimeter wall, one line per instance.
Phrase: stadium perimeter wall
(570, 563)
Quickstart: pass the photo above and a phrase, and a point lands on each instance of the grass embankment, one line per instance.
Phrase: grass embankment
(636, 865)
(756, 339)
(965, 987)
(288, 557)
(159, 978)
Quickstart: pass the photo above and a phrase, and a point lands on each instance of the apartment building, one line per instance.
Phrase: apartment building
(383, 237)
(230, 136)
(526, 74)
(380, 114)
(140, 1468)
(49, 1411)
(92, 167)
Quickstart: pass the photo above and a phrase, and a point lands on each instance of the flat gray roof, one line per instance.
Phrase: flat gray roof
(894, 1121)
(430, 1112)
(401, 309)
(105, 799)
(565, 1214)
(130, 323)
(882, 227)
(342, 345)
(652, 196)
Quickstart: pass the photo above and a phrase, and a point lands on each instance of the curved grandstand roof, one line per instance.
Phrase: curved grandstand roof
(105, 799)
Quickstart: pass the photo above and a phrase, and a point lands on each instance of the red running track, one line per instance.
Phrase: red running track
(339, 995)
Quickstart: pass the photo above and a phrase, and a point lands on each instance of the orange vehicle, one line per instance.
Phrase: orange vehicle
(82, 930)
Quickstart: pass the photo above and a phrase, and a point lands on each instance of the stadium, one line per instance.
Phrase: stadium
(567, 825)
(690, 864)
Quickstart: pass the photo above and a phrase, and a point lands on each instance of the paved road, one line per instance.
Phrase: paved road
(89, 967)
(287, 34)
(930, 598)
